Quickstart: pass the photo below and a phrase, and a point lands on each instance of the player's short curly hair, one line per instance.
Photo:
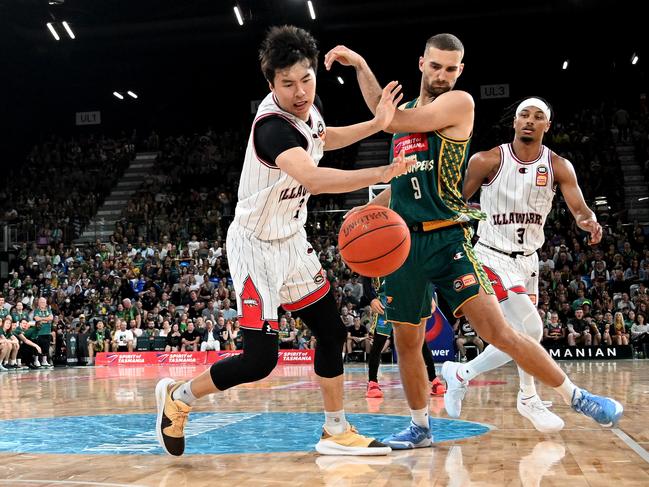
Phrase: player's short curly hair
(283, 47)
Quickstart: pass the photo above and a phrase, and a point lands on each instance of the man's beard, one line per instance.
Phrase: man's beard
(435, 91)
(526, 138)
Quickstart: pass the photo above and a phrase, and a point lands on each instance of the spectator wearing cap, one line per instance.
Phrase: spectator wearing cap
(581, 297)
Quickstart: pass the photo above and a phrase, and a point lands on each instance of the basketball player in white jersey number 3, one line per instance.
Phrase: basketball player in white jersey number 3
(518, 183)
(271, 261)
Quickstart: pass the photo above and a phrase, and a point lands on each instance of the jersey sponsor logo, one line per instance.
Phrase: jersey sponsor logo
(458, 256)
(411, 143)
(522, 170)
(542, 176)
(465, 281)
(293, 192)
(250, 302)
(517, 218)
(321, 130)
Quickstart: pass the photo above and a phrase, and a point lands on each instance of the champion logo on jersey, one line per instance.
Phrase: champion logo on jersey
(458, 256)
(522, 170)
(319, 277)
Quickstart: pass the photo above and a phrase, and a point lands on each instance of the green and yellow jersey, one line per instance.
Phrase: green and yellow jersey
(430, 193)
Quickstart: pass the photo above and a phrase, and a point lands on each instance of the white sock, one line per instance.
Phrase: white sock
(491, 358)
(12, 362)
(335, 422)
(184, 393)
(420, 417)
(528, 388)
(566, 390)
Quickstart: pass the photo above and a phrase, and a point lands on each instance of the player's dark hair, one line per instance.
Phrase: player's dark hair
(445, 42)
(283, 47)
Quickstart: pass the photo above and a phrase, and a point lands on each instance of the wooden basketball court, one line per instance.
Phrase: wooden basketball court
(94, 427)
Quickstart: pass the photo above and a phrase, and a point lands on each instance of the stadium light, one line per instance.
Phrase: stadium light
(565, 65)
(118, 95)
(311, 9)
(53, 31)
(131, 94)
(643, 198)
(68, 29)
(341, 81)
(634, 58)
(237, 14)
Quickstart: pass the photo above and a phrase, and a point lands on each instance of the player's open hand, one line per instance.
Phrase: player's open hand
(344, 56)
(354, 209)
(400, 165)
(377, 307)
(390, 98)
(591, 226)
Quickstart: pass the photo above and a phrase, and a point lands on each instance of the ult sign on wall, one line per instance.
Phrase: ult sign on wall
(88, 118)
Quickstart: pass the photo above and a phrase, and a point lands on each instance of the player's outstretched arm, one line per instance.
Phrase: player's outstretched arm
(366, 80)
(566, 179)
(297, 163)
(482, 167)
(338, 137)
(451, 109)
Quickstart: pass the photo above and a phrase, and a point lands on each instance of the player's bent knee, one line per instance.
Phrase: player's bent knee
(257, 361)
(522, 315)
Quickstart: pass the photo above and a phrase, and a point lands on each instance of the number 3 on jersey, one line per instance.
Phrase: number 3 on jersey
(521, 234)
(416, 187)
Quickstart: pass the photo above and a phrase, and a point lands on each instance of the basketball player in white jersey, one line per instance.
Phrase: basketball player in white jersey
(271, 261)
(518, 182)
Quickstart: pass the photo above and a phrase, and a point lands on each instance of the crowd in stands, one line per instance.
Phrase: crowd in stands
(162, 281)
(68, 180)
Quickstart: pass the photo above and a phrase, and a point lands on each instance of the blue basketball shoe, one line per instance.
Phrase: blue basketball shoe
(413, 436)
(604, 410)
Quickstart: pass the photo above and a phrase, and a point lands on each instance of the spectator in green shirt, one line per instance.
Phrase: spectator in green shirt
(43, 318)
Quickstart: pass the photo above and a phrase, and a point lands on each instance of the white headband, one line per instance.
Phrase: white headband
(534, 102)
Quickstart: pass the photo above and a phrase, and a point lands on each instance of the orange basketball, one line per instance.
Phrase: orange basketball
(374, 241)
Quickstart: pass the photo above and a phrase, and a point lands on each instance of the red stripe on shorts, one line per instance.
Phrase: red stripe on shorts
(308, 299)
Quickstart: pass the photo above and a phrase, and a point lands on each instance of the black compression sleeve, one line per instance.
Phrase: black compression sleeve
(274, 135)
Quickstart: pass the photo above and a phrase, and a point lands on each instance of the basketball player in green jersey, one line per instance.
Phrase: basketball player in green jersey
(435, 129)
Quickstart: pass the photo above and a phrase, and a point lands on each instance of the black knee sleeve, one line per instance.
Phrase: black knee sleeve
(257, 361)
(324, 321)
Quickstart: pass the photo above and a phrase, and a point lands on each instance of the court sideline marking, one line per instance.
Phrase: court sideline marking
(66, 482)
(631, 443)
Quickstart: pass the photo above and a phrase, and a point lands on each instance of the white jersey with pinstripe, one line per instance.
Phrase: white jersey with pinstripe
(517, 201)
(271, 260)
(271, 204)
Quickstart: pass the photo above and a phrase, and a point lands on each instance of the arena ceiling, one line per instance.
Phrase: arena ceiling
(190, 58)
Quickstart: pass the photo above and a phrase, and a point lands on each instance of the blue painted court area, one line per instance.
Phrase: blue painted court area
(206, 433)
